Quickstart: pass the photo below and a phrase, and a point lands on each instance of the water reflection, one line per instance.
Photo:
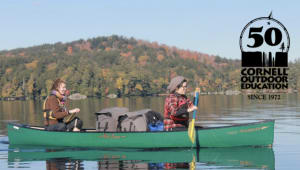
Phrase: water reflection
(67, 158)
(62, 163)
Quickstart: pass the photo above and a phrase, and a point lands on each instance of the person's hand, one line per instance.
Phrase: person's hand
(192, 108)
(76, 110)
(197, 90)
(67, 93)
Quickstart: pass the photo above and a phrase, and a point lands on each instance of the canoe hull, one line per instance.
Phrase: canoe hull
(258, 134)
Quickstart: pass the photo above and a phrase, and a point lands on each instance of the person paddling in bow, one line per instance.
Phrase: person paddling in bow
(55, 110)
(177, 105)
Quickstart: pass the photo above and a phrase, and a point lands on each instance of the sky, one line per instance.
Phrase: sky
(212, 27)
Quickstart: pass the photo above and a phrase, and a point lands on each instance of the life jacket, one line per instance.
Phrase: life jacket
(48, 114)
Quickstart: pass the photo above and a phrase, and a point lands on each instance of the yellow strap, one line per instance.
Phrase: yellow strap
(44, 105)
(50, 112)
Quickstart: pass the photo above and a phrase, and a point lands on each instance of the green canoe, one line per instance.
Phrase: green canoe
(251, 134)
(236, 157)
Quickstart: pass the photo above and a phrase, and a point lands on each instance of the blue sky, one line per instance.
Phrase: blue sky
(211, 27)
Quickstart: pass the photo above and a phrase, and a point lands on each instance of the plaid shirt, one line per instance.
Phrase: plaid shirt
(172, 104)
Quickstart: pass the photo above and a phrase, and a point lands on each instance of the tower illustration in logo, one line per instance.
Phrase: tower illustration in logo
(264, 42)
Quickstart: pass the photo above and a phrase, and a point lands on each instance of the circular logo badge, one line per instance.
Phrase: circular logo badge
(264, 42)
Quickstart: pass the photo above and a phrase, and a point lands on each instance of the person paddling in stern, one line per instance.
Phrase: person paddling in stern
(177, 105)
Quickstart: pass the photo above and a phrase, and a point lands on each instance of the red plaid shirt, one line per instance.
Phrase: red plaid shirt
(172, 104)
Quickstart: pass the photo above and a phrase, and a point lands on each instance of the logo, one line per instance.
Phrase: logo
(264, 44)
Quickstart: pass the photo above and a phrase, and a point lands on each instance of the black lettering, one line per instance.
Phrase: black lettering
(243, 72)
(274, 71)
(285, 86)
(251, 79)
(279, 72)
(277, 86)
(271, 79)
(263, 79)
(251, 71)
(243, 86)
(267, 71)
(244, 79)
(278, 79)
(259, 71)
(285, 71)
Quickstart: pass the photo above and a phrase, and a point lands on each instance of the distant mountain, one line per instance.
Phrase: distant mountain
(114, 64)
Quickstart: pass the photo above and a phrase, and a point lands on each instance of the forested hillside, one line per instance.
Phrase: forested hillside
(114, 64)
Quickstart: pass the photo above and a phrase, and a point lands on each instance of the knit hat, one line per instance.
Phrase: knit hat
(174, 83)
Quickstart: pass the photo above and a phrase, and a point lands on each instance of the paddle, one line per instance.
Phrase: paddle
(191, 130)
(192, 164)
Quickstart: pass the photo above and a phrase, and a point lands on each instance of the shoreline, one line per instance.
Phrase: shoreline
(227, 93)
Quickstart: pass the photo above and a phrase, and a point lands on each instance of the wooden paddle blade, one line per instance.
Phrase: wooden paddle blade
(191, 131)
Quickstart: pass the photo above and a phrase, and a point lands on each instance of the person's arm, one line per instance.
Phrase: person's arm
(55, 108)
(186, 108)
(176, 110)
(172, 105)
(191, 106)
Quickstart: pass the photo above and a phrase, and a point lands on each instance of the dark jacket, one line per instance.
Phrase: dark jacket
(58, 110)
(175, 111)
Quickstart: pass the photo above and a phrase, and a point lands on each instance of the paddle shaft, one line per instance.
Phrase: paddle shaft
(191, 129)
(196, 104)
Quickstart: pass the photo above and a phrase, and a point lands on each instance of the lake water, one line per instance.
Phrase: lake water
(214, 110)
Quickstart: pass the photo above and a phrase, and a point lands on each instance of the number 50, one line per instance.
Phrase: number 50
(259, 39)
